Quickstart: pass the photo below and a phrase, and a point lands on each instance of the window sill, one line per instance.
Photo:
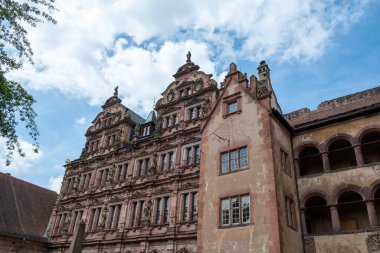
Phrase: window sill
(233, 171)
(235, 226)
(231, 113)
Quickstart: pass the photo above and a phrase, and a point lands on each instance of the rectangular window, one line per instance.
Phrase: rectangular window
(290, 213)
(194, 207)
(133, 214)
(167, 121)
(166, 210)
(235, 207)
(284, 161)
(139, 167)
(141, 212)
(171, 160)
(188, 156)
(197, 153)
(225, 212)
(225, 162)
(232, 107)
(245, 209)
(234, 160)
(158, 210)
(185, 211)
(163, 162)
(174, 119)
(235, 210)
(181, 93)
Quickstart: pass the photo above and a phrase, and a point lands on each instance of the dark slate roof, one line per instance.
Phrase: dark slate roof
(25, 208)
(151, 118)
(135, 117)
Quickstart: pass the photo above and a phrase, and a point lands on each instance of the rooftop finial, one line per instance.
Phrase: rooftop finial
(116, 91)
(188, 57)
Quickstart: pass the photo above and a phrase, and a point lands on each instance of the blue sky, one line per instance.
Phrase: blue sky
(316, 50)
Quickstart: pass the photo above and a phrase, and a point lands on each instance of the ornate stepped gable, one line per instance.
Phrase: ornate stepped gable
(134, 174)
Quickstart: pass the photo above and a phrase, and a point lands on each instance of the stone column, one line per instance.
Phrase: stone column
(81, 182)
(371, 213)
(359, 155)
(119, 172)
(303, 221)
(326, 162)
(87, 180)
(335, 218)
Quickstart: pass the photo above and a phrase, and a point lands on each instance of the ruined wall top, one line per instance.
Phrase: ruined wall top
(335, 106)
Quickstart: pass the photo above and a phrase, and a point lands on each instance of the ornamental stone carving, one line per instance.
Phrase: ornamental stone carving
(373, 243)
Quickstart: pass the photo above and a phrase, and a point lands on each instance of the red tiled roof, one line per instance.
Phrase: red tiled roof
(25, 208)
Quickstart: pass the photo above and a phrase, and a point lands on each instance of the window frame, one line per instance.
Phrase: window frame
(229, 159)
(290, 212)
(285, 162)
(240, 209)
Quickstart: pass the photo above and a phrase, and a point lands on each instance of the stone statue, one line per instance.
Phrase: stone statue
(188, 57)
(148, 210)
(102, 219)
(206, 107)
(116, 91)
(76, 183)
(136, 133)
(110, 175)
(66, 224)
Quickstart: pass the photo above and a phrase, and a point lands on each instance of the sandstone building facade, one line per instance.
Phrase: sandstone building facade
(220, 168)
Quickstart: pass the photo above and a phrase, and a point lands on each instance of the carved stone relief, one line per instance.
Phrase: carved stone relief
(373, 243)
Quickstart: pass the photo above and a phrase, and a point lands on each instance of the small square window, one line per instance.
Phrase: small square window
(232, 107)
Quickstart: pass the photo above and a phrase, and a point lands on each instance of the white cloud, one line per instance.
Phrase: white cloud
(86, 49)
(18, 163)
(55, 183)
(81, 121)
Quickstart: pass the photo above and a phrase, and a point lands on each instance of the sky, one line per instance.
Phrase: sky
(316, 50)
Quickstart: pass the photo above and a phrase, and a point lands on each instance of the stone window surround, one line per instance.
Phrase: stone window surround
(190, 206)
(237, 146)
(290, 212)
(194, 159)
(167, 157)
(145, 165)
(230, 99)
(196, 112)
(113, 217)
(230, 225)
(161, 220)
(171, 116)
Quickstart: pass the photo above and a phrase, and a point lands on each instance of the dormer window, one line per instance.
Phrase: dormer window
(188, 91)
(232, 107)
(146, 131)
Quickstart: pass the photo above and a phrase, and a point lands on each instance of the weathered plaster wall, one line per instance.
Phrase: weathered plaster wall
(285, 186)
(248, 128)
(345, 243)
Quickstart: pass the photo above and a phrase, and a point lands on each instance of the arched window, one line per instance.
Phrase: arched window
(341, 155)
(310, 161)
(371, 147)
(352, 211)
(317, 216)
